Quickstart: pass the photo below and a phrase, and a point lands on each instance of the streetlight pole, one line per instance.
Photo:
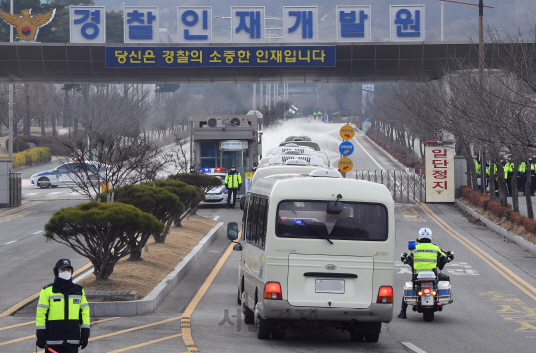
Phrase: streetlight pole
(481, 39)
(10, 145)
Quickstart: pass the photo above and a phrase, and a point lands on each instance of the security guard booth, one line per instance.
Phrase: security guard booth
(221, 141)
(226, 140)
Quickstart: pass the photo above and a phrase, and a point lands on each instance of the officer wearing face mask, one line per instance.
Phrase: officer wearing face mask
(62, 317)
(233, 182)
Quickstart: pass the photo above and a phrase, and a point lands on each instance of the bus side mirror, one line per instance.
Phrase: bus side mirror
(242, 202)
(232, 231)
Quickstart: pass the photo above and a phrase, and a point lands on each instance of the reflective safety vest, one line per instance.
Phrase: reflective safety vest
(62, 316)
(233, 181)
(522, 167)
(425, 256)
(478, 168)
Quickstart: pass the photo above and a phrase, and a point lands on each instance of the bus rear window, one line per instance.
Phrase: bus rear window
(309, 219)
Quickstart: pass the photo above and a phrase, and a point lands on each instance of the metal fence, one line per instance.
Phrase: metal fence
(400, 183)
(15, 189)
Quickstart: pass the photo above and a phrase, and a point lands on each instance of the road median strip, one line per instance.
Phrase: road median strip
(156, 297)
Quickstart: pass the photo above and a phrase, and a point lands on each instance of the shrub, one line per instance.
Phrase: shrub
(508, 213)
(530, 225)
(31, 156)
(493, 207)
(485, 204)
(501, 212)
(516, 218)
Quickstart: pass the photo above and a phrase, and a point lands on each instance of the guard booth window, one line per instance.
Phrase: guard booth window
(256, 222)
(209, 154)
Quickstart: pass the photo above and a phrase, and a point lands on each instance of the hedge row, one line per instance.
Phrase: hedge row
(31, 156)
(477, 199)
(398, 151)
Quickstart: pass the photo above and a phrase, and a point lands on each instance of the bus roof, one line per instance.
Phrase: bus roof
(294, 187)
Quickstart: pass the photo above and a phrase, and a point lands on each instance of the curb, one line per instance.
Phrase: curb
(159, 293)
(391, 158)
(525, 244)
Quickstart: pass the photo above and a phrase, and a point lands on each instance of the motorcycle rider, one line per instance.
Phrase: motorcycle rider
(427, 256)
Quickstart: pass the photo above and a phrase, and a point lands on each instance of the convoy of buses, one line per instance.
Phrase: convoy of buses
(317, 250)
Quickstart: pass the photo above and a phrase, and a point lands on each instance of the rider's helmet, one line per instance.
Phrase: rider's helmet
(425, 233)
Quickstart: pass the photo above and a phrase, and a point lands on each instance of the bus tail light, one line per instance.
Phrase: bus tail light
(272, 290)
(385, 294)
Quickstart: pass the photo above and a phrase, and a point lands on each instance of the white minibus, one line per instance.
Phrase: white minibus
(316, 252)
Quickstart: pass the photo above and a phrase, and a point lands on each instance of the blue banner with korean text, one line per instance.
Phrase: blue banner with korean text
(257, 56)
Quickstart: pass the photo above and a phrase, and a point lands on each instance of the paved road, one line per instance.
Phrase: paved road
(493, 311)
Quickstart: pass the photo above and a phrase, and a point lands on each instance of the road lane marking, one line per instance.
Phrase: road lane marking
(33, 336)
(41, 231)
(17, 325)
(10, 242)
(216, 218)
(186, 329)
(413, 347)
(15, 210)
(31, 193)
(24, 302)
(54, 193)
(368, 154)
(146, 343)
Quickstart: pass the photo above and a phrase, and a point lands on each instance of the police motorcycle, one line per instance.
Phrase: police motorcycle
(429, 290)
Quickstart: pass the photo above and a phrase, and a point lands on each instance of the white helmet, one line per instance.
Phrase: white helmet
(425, 233)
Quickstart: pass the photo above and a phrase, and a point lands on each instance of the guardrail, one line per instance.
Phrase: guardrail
(15, 189)
(400, 183)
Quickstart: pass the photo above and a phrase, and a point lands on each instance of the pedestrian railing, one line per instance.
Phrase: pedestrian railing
(15, 189)
(402, 184)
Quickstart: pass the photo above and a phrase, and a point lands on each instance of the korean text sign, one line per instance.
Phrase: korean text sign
(300, 24)
(141, 24)
(407, 23)
(194, 24)
(284, 56)
(439, 174)
(353, 23)
(87, 24)
(247, 24)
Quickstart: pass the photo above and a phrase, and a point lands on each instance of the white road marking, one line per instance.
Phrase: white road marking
(10, 242)
(413, 347)
(216, 218)
(53, 193)
(368, 154)
(32, 193)
(374, 160)
(41, 231)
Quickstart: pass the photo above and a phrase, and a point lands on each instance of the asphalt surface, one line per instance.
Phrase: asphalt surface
(493, 280)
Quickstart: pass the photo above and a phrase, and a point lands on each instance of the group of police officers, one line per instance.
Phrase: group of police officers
(509, 174)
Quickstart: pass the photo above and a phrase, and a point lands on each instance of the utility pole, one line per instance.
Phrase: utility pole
(481, 39)
(10, 145)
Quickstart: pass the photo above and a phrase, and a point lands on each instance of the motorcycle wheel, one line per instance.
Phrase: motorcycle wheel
(428, 315)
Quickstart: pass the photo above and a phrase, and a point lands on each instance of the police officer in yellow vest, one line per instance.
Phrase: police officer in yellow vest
(62, 317)
(233, 182)
(427, 256)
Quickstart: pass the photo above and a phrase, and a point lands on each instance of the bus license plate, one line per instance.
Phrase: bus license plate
(329, 286)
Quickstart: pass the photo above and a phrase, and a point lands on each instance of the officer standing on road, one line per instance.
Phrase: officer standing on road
(62, 317)
(233, 182)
